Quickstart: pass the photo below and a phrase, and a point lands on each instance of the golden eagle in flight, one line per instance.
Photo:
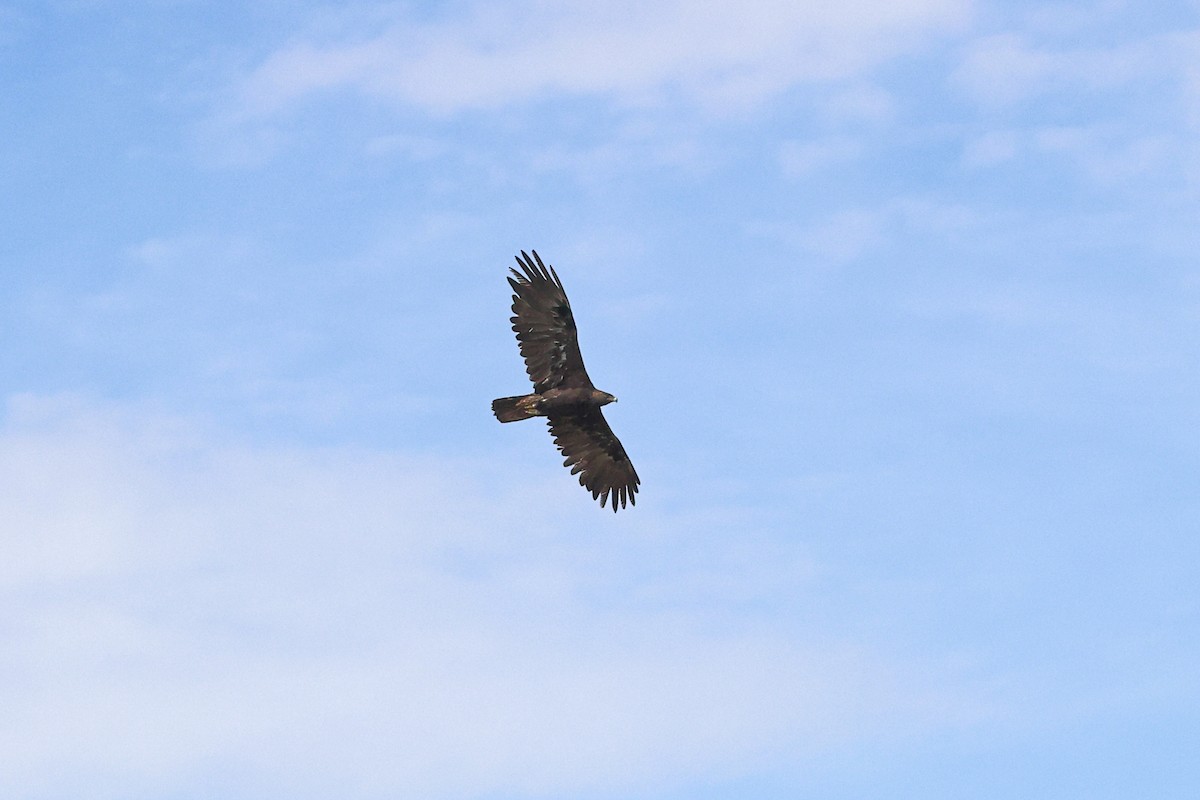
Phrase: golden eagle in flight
(562, 390)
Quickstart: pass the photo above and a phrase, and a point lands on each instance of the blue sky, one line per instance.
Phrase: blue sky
(901, 300)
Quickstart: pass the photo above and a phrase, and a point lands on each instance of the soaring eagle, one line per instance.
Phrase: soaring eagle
(562, 390)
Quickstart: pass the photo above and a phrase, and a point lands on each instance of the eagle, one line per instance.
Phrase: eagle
(562, 391)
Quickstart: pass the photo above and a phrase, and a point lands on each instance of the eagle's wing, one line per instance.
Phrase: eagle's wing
(545, 327)
(594, 453)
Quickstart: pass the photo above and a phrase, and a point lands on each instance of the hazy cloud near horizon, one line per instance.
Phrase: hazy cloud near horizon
(177, 602)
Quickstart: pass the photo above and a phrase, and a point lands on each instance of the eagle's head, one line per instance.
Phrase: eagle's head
(603, 398)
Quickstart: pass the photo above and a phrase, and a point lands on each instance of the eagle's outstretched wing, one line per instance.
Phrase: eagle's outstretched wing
(597, 456)
(545, 327)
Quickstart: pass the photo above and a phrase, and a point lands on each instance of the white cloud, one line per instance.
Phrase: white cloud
(1002, 70)
(848, 234)
(180, 609)
(991, 148)
(727, 55)
(845, 235)
(801, 158)
(859, 104)
(1105, 155)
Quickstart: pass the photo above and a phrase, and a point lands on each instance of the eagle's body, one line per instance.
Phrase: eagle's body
(562, 390)
(561, 401)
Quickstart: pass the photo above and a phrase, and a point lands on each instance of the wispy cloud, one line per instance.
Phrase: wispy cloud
(801, 158)
(1102, 154)
(1110, 112)
(724, 54)
(1009, 68)
(847, 234)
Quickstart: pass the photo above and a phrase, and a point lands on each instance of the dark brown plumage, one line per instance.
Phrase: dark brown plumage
(562, 390)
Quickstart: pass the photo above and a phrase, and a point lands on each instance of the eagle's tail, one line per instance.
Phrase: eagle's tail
(511, 409)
